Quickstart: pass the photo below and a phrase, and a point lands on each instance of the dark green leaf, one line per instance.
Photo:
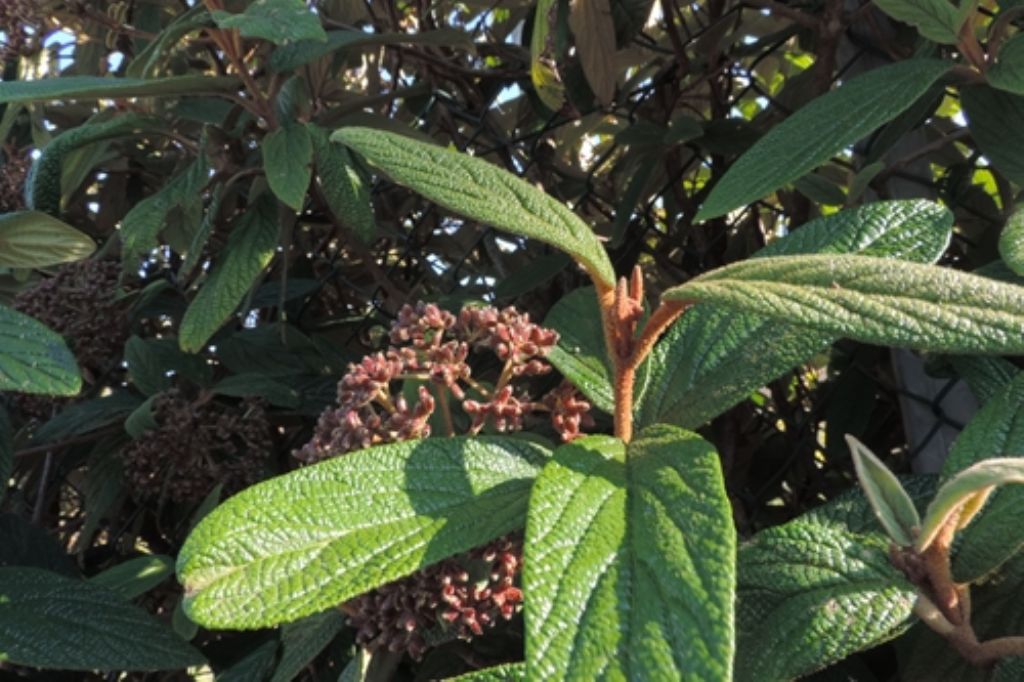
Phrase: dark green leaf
(291, 57)
(49, 621)
(873, 300)
(307, 541)
(257, 385)
(34, 359)
(936, 20)
(255, 665)
(1008, 71)
(152, 364)
(713, 358)
(985, 375)
(346, 194)
(279, 21)
(996, 120)
(87, 416)
(821, 129)
(26, 545)
(135, 577)
(303, 640)
(629, 566)
(248, 252)
(1011, 241)
(580, 354)
(146, 63)
(30, 239)
(97, 87)
(287, 159)
(481, 191)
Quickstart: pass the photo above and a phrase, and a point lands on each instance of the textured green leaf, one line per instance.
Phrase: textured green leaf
(936, 20)
(279, 21)
(49, 621)
(346, 194)
(985, 375)
(873, 300)
(893, 506)
(303, 640)
(996, 121)
(287, 161)
(1007, 73)
(959, 490)
(142, 224)
(98, 87)
(821, 129)
(1011, 241)
(249, 250)
(136, 576)
(481, 191)
(307, 541)
(580, 354)
(34, 359)
(814, 590)
(510, 672)
(30, 239)
(291, 57)
(629, 566)
(713, 358)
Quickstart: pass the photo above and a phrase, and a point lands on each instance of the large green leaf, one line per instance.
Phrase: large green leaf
(936, 20)
(873, 300)
(49, 621)
(996, 120)
(287, 161)
(481, 191)
(817, 589)
(30, 239)
(629, 566)
(279, 21)
(34, 359)
(713, 358)
(98, 87)
(996, 533)
(307, 541)
(821, 129)
(249, 250)
(347, 196)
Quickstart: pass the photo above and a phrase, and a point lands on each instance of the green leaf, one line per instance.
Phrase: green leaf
(291, 57)
(152, 364)
(49, 621)
(258, 385)
(249, 250)
(98, 87)
(543, 56)
(303, 640)
(255, 665)
(34, 359)
(872, 300)
(893, 506)
(287, 159)
(713, 358)
(996, 121)
(629, 566)
(821, 129)
(816, 589)
(1011, 241)
(307, 541)
(279, 21)
(481, 191)
(962, 490)
(30, 239)
(28, 545)
(936, 20)
(509, 672)
(146, 63)
(1007, 73)
(580, 354)
(985, 375)
(136, 576)
(87, 416)
(347, 196)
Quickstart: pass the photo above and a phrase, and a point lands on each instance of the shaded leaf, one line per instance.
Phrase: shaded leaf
(580, 354)
(303, 640)
(99, 87)
(287, 161)
(292, 56)
(936, 20)
(996, 121)
(31, 239)
(136, 576)
(279, 21)
(346, 194)
(1007, 73)
(255, 385)
(34, 359)
(23, 544)
(594, 31)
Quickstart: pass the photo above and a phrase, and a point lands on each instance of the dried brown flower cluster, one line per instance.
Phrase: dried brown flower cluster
(12, 182)
(432, 347)
(196, 445)
(20, 22)
(430, 352)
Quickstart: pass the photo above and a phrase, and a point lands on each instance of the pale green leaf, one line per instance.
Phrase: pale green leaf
(873, 300)
(49, 621)
(307, 541)
(936, 20)
(629, 566)
(249, 250)
(136, 576)
(959, 491)
(481, 191)
(1011, 241)
(713, 358)
(287, 161)
(279, 21)
(893, 506)
(344, 190)
(30, 239)
(821, 129)
(98, 87)
(1007, 73)
(303, 640)
(34, 359)
(996, 121)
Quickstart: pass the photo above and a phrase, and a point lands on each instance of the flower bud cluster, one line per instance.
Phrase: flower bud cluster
(196, 445)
